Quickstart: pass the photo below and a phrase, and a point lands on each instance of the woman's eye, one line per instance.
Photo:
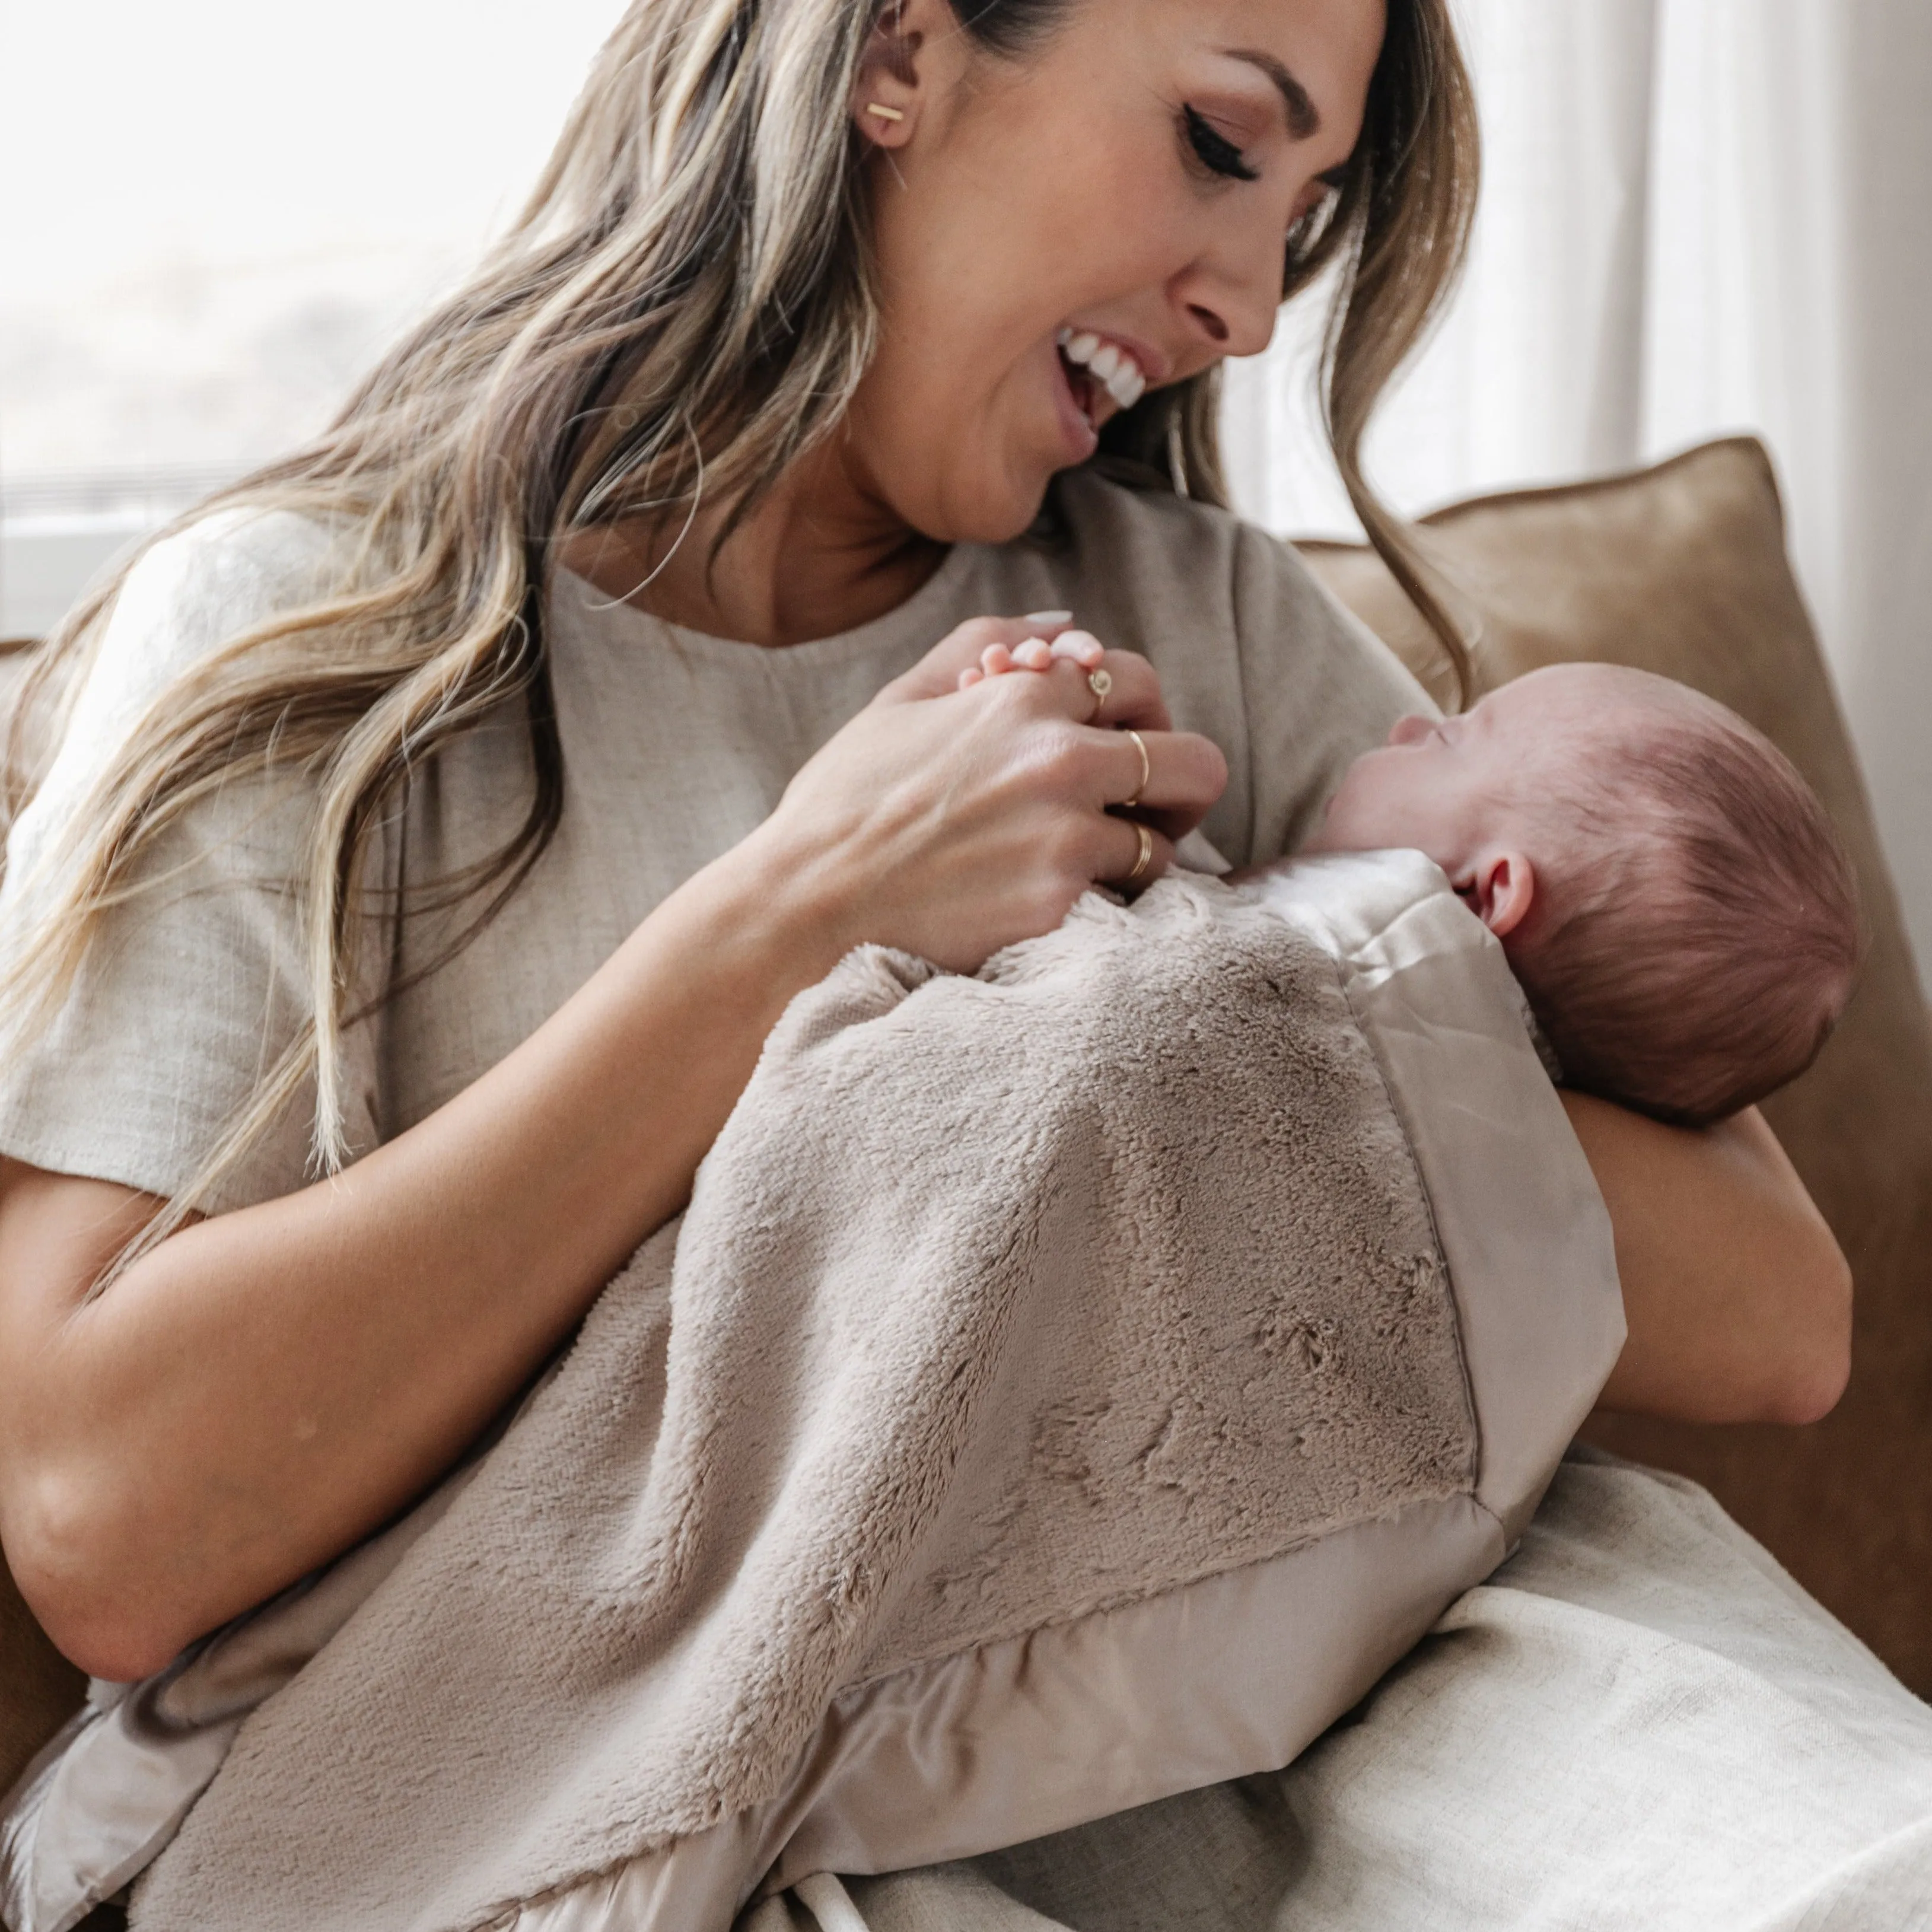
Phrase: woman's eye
(1213, 150)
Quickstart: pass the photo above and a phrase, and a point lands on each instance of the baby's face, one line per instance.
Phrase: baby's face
(1455, 787)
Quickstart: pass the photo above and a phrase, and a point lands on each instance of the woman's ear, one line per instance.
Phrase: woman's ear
(1499, 889)
(893, 79)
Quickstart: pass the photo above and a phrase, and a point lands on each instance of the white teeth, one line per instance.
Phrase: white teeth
(1109, 365)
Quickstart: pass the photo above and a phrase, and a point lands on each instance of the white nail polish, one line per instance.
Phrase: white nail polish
(1044, 617)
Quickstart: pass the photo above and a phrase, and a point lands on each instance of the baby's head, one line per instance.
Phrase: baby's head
(1668, 890)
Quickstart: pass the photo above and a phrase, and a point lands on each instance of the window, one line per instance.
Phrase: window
(218, 213)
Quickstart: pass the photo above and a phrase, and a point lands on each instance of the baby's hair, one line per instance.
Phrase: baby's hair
(1698, 953)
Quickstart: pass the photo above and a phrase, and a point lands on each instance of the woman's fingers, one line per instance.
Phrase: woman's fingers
(1121, 689)
(1132, 855)
(1173, 785)
(1174, 778)
(955, 827)
(1164, 771)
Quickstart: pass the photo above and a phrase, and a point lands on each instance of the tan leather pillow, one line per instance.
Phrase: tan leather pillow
(1682, 569)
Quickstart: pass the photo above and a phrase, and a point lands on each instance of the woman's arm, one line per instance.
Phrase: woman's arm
(268, 1386)
(1738, 1301)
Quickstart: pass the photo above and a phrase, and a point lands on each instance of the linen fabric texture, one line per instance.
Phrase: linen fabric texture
(1235, 1287)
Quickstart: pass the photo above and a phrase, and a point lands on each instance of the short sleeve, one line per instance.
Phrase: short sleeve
(1318, 688)
(193, 987)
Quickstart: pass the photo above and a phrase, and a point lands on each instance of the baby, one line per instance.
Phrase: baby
(1667, 889)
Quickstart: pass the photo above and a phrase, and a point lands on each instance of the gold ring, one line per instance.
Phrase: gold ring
(1099, 681)
(1146, 858)
(1147, 767)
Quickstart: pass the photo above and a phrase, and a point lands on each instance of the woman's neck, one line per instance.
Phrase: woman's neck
(819, 555)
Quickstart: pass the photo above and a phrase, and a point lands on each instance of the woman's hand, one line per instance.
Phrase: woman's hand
(1738, 1300)
(953, 822)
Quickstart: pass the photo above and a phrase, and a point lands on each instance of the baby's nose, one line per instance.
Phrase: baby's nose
(1407, 730)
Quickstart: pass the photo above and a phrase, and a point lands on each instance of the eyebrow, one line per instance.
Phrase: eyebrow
(1304, 118)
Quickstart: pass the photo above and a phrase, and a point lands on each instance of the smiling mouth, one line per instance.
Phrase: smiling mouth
(1096, 367)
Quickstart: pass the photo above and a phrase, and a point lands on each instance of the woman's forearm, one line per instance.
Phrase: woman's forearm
(267, 1386)
(1738, 1299)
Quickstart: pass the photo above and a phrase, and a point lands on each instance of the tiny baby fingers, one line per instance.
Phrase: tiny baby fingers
(937, 673)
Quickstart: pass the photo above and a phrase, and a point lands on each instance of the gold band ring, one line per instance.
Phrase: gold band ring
(1146, 858)
(1147, 767)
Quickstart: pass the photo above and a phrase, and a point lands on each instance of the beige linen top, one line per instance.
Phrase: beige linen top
(676, 746)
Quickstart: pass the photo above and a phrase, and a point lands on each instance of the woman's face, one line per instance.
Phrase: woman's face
(1127, 185)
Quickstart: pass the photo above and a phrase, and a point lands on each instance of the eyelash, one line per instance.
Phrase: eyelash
(1213, 150)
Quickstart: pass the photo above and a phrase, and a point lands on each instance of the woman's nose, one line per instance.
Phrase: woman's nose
(1231, 298)
(1231, 322)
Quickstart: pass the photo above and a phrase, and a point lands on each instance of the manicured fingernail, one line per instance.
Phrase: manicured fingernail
(1044, 618)
(1082, 647)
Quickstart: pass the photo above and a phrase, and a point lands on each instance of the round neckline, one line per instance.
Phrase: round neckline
(883, 631)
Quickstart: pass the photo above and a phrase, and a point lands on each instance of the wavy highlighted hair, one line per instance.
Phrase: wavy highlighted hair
(688, 298)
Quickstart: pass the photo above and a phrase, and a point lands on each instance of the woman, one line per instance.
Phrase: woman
(414, 825)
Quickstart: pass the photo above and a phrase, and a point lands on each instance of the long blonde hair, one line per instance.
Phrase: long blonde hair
(686, 302)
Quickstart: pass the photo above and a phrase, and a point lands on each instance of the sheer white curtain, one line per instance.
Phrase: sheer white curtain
(1700, 216)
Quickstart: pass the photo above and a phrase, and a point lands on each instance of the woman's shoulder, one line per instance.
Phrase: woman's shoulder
(189, 593)
(222, 573)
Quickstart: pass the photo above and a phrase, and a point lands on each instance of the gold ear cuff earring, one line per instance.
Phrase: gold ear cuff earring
(884, 112)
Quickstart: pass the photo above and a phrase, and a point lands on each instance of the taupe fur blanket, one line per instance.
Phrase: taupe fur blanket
(1055, 1395)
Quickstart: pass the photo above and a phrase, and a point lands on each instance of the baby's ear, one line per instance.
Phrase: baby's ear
(1499, 889)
